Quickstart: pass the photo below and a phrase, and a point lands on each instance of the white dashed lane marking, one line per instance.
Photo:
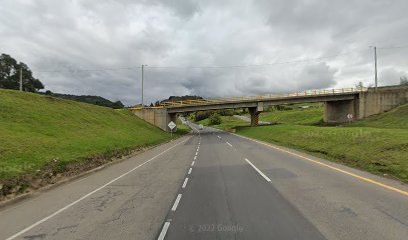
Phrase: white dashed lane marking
(185, 183)
(176, 203)
(259, 171)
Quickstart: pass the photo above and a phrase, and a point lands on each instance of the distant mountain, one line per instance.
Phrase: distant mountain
(95, 100)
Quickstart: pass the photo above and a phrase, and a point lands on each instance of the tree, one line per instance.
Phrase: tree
(10, 75)
(360, 85)
(403, 80)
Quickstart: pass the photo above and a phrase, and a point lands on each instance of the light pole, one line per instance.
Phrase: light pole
(375, 60)
(375, 67)
(143, 83)
(21, 79)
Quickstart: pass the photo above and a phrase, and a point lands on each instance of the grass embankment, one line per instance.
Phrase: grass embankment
(378, 144)
(38, 130)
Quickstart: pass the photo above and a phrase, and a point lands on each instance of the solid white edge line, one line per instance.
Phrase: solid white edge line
(185, 183)
(176, 203)
(89, 194)
(192, 164)
(259, 171)
(229, 144)
(164, 231)
(189, 170)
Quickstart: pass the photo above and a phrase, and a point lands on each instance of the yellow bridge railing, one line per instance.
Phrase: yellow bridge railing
(209, 101)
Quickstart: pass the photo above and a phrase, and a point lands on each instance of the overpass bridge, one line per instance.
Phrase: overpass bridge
(341, 105)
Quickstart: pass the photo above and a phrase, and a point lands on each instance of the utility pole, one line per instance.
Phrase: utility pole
(375, 66)
(21, 79)
(142, 84)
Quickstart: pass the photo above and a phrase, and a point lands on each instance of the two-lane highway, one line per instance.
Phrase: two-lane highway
(228, 199)
(216, 185)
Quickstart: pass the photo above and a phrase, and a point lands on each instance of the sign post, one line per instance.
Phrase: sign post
(171, 125)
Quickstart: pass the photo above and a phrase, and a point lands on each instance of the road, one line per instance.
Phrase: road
(215, 185)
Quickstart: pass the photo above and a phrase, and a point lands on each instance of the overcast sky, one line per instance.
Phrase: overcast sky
(211, 48)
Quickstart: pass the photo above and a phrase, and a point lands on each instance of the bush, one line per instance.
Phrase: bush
(215, 119)
(227, 112)
(201, 115)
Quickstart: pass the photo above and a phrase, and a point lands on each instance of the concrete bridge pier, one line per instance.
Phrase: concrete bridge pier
(254, 112)
(340, 111)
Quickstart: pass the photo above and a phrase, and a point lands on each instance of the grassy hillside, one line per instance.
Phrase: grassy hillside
(396, 118)
(378, 144)
(36, 130)
(308, 116)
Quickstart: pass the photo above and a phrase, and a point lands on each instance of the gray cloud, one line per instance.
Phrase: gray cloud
(88, 34)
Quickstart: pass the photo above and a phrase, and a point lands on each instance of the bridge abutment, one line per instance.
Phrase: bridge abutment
(158, 117)
(365, 104)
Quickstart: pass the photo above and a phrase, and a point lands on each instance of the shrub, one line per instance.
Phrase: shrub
(215, 119)
(201, 115)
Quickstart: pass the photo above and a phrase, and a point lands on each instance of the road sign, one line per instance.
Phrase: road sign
(350, 116)
(172, 125)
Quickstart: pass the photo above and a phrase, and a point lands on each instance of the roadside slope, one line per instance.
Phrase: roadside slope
(38, 131)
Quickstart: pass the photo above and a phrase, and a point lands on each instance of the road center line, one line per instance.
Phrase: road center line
(331, 167)
(195, 157)
(89, 194)
(229, 144)
(259, 171)
(196, 153)
(185, 183)
(192, 164)
(164, 231)
(189, 171)
(176, 203)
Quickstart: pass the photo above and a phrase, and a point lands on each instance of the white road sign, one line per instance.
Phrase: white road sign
(350, 116)
(172, 125)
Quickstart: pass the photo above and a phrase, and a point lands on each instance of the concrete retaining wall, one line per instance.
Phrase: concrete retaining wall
(384, 99)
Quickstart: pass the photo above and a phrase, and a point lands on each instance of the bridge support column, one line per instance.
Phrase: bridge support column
(341, 111)
(254, 112)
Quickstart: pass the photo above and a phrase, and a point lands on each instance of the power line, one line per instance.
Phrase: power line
(88, 70)
(262, 65)
(393, 47)
(220, 66)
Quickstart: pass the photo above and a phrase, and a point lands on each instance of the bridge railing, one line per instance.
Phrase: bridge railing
(255, 98)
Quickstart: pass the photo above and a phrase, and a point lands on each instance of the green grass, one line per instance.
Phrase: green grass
(381, 151)
(396, 118)
(308, 116)
(35, 130)
(378, 144)
(181, 128)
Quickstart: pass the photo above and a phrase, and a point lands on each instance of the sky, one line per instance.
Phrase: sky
(210, 48)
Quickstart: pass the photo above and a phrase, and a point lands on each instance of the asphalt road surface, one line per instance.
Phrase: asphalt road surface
(215, 185)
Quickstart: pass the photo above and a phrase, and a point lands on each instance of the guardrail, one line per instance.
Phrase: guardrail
(209, 101)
